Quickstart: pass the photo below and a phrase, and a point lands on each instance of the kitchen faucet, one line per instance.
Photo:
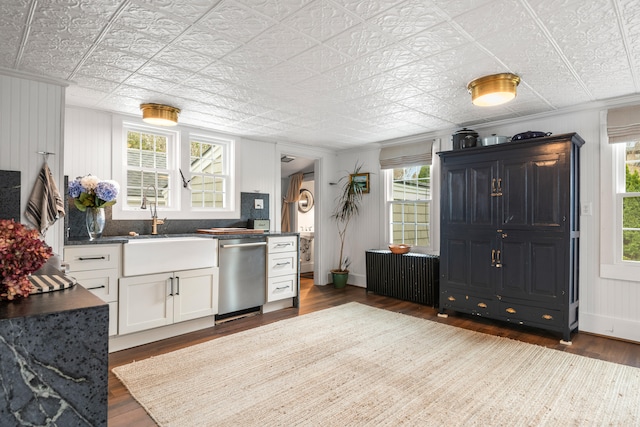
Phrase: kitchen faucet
(153, 209)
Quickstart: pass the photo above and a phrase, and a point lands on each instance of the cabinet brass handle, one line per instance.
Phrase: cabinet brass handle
(499, 187)
(498, 258)
(482, 305)
(511, 310)
(493, 187)
(493, 257)
(547, 317)
(451, 298)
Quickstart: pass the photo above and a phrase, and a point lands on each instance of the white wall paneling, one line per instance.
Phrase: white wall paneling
(88, 143)
(31, 117)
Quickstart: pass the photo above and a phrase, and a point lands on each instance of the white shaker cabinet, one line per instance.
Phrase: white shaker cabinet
(154, 300)
(282, 267)
(97, 268)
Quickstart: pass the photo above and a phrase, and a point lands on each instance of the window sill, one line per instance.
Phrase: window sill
(630, 273)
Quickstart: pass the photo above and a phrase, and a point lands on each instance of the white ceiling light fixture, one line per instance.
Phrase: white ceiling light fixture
(159, 114)
(493, 90)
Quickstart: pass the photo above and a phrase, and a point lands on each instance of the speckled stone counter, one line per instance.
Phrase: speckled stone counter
(54, 353)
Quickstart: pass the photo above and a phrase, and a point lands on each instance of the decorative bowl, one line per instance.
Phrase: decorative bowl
(399, 249)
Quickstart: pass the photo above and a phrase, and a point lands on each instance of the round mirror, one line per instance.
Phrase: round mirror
(306, 201)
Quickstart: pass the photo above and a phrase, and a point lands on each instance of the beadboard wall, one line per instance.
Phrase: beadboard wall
(31, 116)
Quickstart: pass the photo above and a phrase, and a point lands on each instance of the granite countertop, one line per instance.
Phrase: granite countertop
(73, 298)
(124, 239)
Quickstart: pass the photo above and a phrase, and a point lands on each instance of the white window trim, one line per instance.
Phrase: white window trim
(612, 174)
(434, 212)
(182, 209)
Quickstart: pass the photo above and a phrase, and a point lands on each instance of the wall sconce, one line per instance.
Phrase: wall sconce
(158, 114)
(493, 90)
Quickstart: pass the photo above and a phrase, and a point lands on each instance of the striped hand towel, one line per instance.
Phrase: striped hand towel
(45, 204)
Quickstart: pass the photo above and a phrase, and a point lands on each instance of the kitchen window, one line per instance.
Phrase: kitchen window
(190, 173)
(620, 198)
(209, 175)
(628, 201)
(410, 205)
(407, 174)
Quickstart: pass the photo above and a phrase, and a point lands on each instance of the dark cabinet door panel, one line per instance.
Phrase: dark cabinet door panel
(482, 189)
(548, 193)
(454, 205)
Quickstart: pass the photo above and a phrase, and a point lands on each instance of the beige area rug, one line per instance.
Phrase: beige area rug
(357, 365)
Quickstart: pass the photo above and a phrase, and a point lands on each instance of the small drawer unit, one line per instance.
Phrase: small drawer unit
(282, 267)
(97, 269)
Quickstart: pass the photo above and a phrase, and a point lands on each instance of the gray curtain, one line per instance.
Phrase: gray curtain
(293, 195)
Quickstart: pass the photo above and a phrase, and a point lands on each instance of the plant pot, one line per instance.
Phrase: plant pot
(339, 278)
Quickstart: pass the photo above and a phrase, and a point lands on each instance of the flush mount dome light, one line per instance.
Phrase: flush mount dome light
(493, 90)
(158, 114)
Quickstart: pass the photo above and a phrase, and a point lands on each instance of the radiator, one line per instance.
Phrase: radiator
(410, 277)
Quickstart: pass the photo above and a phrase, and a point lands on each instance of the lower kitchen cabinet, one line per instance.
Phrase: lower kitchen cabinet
(282, 268)
(96, 268)
(155, 300)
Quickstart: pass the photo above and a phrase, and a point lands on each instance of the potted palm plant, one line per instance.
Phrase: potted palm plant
(347, 207)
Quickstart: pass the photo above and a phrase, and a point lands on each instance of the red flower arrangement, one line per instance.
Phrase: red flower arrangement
(21, 253)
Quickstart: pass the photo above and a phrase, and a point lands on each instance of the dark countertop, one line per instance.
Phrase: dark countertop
(73, 298)
(124, 239)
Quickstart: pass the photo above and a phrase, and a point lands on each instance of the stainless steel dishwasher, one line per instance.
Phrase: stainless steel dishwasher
(242, 263)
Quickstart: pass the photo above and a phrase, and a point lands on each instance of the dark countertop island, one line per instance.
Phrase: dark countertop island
(54, 352)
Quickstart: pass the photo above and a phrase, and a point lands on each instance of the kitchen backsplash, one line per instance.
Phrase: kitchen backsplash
(76, 229)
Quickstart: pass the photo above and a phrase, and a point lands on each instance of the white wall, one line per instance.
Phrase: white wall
(31, 114)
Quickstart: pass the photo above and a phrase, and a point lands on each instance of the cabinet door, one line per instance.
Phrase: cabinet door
(195, 294)
(145, 302)
(534, 192)
(533, 267)
(468, 194)
(466, 262)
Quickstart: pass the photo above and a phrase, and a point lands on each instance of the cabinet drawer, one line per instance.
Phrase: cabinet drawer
(102, 283)
(524, 314)
(282, 244)
(281, 287)
(481, 306)
(281, 264)
(91, 257)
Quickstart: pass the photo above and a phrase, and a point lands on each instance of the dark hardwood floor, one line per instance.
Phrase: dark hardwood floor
(125, 411)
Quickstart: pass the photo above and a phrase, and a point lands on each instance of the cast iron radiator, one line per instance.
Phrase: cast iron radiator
(411, 277)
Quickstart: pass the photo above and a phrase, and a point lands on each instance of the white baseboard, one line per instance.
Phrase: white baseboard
(122, 342)
(610, 326)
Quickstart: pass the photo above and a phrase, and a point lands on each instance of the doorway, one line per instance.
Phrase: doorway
(302, 213)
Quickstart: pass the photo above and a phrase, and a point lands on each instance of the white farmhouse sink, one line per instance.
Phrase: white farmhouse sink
(159, 255)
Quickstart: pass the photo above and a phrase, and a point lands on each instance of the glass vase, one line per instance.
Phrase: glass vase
(95, 220)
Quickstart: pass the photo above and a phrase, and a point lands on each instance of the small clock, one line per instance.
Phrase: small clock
(305, 203)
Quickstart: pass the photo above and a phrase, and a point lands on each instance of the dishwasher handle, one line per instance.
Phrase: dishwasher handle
(243, 245)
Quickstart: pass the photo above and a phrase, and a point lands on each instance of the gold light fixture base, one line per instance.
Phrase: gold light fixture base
(493, 90)
(159, 114)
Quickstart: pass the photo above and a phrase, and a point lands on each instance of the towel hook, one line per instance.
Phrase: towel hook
(45, 155)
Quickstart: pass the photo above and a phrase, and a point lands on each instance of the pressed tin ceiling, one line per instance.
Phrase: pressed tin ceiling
(327, 73)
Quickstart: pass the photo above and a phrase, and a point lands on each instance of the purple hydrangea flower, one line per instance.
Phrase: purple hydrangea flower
(75, 188)
(106, 191)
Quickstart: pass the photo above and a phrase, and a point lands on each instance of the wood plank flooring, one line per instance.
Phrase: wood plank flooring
(125, 411)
